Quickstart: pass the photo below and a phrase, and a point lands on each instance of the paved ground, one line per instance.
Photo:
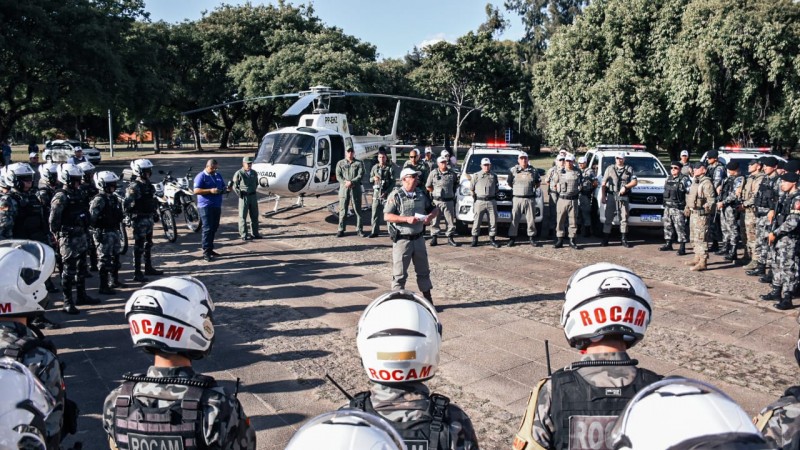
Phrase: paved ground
(287, 307)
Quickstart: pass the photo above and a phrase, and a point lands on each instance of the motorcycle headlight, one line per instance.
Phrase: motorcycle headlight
(298, 181)
(184, 184)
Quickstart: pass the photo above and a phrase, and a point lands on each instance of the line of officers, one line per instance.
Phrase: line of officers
(76, 210)
(727, 208)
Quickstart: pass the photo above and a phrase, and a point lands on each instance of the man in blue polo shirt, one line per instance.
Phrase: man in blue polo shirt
(209, 187)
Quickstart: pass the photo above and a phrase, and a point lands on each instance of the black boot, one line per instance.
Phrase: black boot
(604, 243)
(493, 242)
(682, 249)
(43, 323)
(115, 282)
(535, 243)
(69, 304)
(723, 250)
(511, 241)
(373, 233)
(774, 294)
(559, 243)
(428, 296)
(759, 270)
(84, 298)
(766, 278)
(714, 246)
(474, 241)
(434, 240)
(785, 303)
(587, 231)
(105, 287)
(137, 269)
(667, 247)
(625, 242)
(148, 264)
(732, 256)
(573, 244)
(451, 242)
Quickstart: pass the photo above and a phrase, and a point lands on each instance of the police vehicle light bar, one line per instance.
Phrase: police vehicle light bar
(495, 145)
(746, 149)
(632, 147)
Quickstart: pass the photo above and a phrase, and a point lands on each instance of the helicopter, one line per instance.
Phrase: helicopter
(301, 160)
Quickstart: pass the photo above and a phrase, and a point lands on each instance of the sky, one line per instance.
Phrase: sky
(393, 26)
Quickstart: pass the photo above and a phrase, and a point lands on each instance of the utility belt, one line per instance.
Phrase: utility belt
(525, 196)
(444, 199)
(569, 197)
(409, 237)
(486, 198)
(141, 216)
(67, 231)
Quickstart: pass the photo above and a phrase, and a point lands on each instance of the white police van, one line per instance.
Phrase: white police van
(646, 198)
(743, 155)
(503, 157)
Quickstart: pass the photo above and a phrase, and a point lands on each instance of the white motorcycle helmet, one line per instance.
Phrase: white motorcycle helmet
(88, 170)
(49, 172)
(681, 413)
(605, 299)
(69, 172)
(346, 430)
(22, 278)
(16, 173)
(46, 257)
(399, 336)
(24, 408)
(172, 315)
(105, 179)
(141, 165)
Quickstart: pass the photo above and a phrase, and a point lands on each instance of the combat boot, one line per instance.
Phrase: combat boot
(604, 243)
(723, 250)
(493, 242)
(625, 242)
(137, 269)
(69, 304)
(115, 283)
(702, 264)
(774, 294)
(766, 278)
(148, 264)
(434, 240)
(535, 243)
(785, 303)
(474, 241)
(758, 270)
(511, 241)
(428, 296)
(693, 261)
(451, 242)
(559, 243)
(714, 246)
(105, 288)
(732, 256)
(682, 249)
(587, 231)
(667, 247)
(573, 244)
(84, 298)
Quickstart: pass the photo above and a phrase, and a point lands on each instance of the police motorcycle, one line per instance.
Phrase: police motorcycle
(181, 200)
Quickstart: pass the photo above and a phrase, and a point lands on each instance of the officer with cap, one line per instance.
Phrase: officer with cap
(765, 200)
(751, 186)
(88, 191)
(407, 212)
(33, 161)
(245, 184)
(686, 169)
(779, 422)
(619, 179)
(728, 206)
(716, 171)
(415, 163)
(552, 190)
(784, 237)
(172, 406)
(349, 172)
(588, 184)
(524, 181)
(568, 185)
(587, 396)
(675, 189)
(346, 430)
(399, 337)
(428, 159)
(484, 194)
(451, 159)
(382, 177)
(77, 158)
(699, 205)
(442, 185)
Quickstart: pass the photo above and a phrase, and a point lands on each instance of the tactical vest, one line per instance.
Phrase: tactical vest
(766, 195)
(146, 204)
(569, 183)
(675, 193)
(177, 426)
(408, 207)
(384, 173)
(25, 344)
(783, 210)
(111, 215)
(30, 222)
(620, 177)
(75, 213)
(443, 185)
(485, 184)
(431, 432)
(583, 414)
(524, 181)
(588, 183)
(717, 174)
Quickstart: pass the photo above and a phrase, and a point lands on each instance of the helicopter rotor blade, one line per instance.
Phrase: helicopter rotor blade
(236, 102)
(301, 104)
(402, 97)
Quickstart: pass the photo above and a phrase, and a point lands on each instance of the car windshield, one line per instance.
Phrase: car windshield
(287, 148)
(501, 164)
(642, 167)
(86, 146)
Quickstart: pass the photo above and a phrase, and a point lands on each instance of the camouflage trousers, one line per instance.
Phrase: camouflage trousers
(785, 264)
(674, 222)
(762, 247)
(109, 244)
(749, 238)
(72, 246)
(585, 204)
(699, 231)
(142, 235)
(729, 221)
(448, 210)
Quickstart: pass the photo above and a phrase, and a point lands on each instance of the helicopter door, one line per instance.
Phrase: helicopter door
(337, 154)
(323, 167)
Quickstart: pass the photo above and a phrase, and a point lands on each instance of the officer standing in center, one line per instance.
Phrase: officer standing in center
(699, 206)
(751, 186)
(140, 204)
(105, 217)
(349, 172)
(716, 171)
(619, 179)
(588, 183)
(524, 181)
(552, 193)
(382, 177)
(728, 206)
(245, 184)
(675, 189)
(484, 196)
(442, 184)
(568, 185)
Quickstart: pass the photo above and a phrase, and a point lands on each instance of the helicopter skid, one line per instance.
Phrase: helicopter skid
(277, 209)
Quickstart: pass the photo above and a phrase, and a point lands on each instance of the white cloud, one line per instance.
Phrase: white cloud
(430, 40)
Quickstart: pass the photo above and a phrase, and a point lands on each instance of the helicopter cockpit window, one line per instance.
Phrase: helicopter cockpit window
(323, 152)
(287, 148)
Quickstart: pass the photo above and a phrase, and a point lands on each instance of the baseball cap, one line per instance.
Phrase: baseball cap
(769, 161)
(570, 157)
(698, 165)
(582, 160)
(247, 159)
(428, 150)
(445, 153)
(523, 155)
(560, 157)
(684, 152)
(733, 165)
(349, 149)
(754, 161)
(620, 156)
(712, 154)
(677, 164)
(414, 150)
(486, 161)
(32, 155)
(791, 177)
(441, 159)
(407, 172)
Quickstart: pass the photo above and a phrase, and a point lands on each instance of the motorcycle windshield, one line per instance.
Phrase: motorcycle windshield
(287, 148)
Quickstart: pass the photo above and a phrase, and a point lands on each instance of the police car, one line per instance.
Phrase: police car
(646, 198)
(743, 155)
(503, 157)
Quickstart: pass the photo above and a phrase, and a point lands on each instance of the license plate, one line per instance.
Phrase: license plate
(651, 218)
(507, 215)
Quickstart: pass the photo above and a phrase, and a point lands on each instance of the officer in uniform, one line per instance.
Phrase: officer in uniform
(49, 173)
(24, 266)
(552, 190)
(415, 163)
(699, 206)
(727, 206)
(524, 181)
(716, 171)
(245, 184)
(588, 183)
(588, 395)
(172, 406)
(382, 177)
(484, 196)
(442, 184)
(765, 200)
(779, 422)
(23, 405)
(349, 172)
(407, 212)
(686, 169)
(429, 161)
(568, 185)
(751, 186)
(89, 190)
(33, 161)
(69, 218)
(105, 217)
(619, 179)
(140, 203)
(785, 236)
(399, 337)
(675, 189)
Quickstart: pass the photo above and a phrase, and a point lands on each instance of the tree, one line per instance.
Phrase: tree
(542, 18)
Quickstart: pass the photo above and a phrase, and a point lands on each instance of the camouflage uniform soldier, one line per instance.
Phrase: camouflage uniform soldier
(620, 179)
(675, 189)
(751, 186)
(728, 206)
(442, 184)
(785, 236)
(552, 191)
(524, 181)
(245, 185)
(69, 218)
(588, 184)
(568, 184)
(172, 406)
(382, 177)
(105, 216)
(716, 171)
(765, 200)
(587, 396)
(421, 167)
(484, 195)
(699, 204)
(349, 172)
(140, 205)
(89, 190)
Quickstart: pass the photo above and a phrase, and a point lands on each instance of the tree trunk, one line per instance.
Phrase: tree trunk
(156, 141)
(195, 123)
(223, 140)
